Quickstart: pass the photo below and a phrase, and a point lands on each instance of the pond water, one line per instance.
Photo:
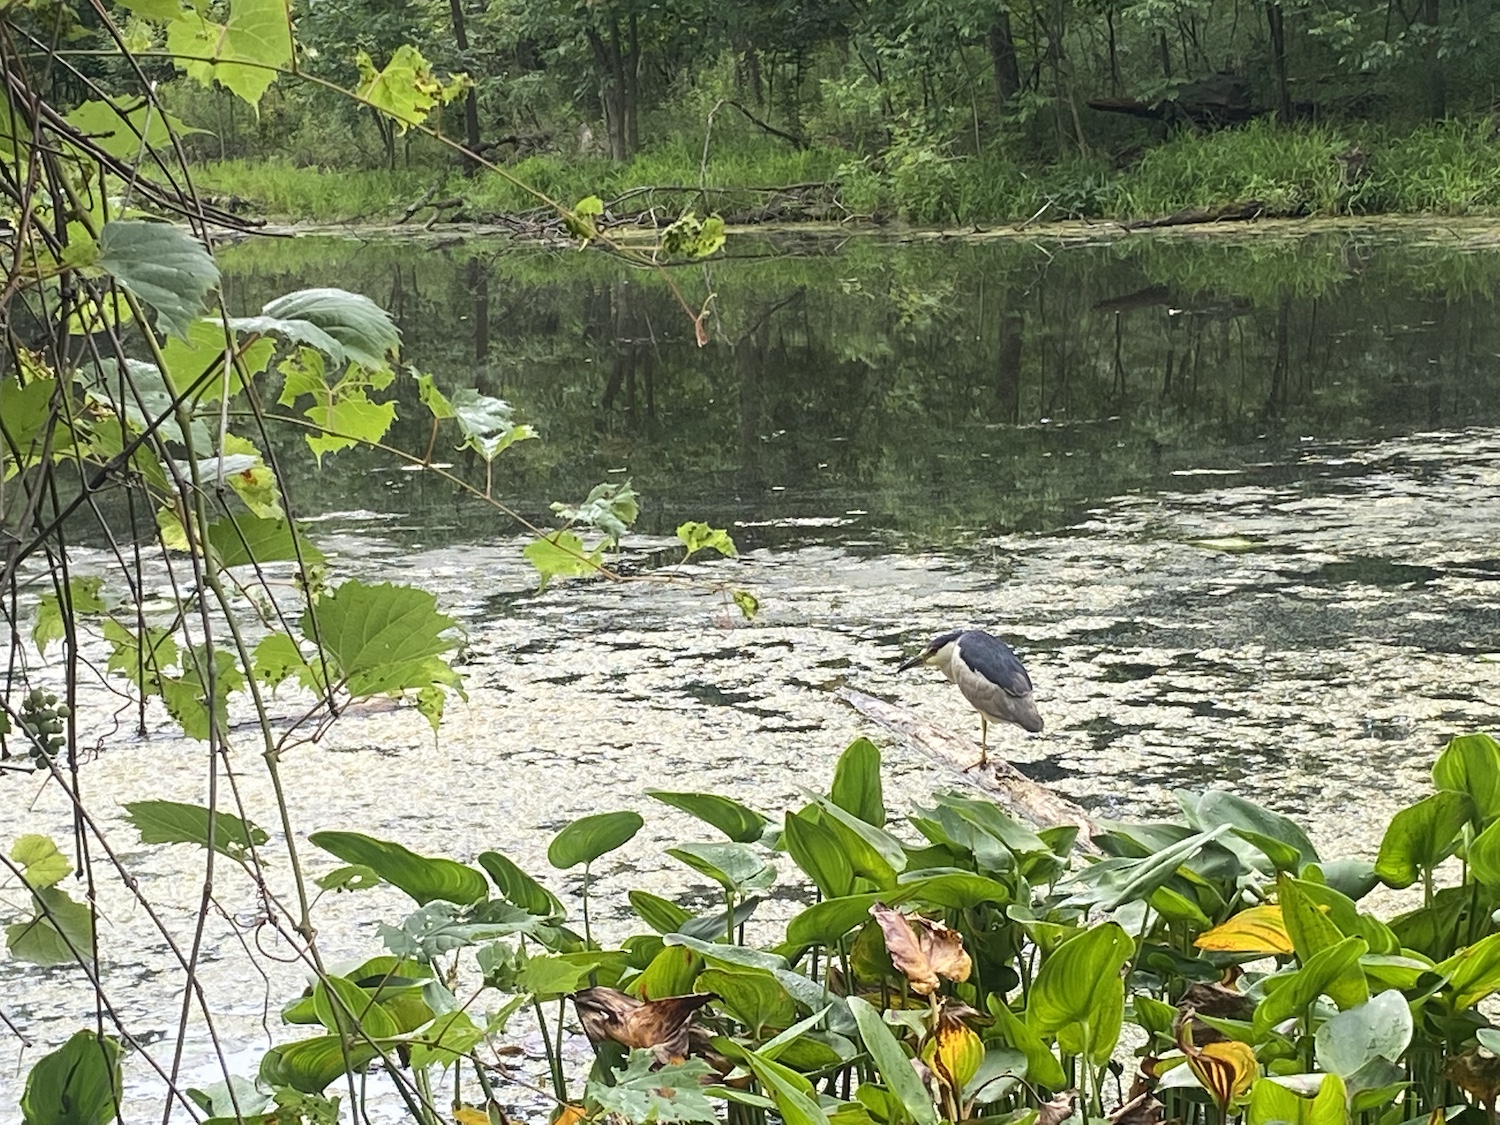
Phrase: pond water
(1234, 500)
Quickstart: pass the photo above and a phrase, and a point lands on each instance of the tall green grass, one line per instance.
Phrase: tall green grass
(1449, 168)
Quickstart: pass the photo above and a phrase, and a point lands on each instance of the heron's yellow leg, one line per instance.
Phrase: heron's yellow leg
(984, 745)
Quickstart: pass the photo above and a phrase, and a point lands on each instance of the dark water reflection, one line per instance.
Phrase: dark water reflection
(934, 391)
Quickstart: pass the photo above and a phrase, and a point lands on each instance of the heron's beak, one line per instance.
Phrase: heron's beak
(920, 658)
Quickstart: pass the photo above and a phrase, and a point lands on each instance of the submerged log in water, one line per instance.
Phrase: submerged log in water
(1012, 789)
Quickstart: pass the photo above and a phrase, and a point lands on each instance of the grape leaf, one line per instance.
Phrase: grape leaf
(129, 653)
(644, 1092)
(58, 926)
(117, 128)
(186, 696)
(486, 423)
(162, 265)
(697, 536)
(171, 822)
(612, 508)
(83, 597)
(562, 555)
(361, 328)
(383, 638)
(432, 398)
(202, 350)
(243, 54)
(244, 539)
(405, 89)
(41, 863)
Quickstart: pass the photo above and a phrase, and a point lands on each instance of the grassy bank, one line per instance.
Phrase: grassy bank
(1452, 169)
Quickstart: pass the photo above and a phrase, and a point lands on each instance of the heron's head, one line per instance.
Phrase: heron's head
(936, 652)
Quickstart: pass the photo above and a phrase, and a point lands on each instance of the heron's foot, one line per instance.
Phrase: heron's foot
(984, 760)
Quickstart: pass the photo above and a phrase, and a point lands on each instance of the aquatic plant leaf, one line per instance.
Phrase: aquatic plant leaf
(752, 996)
(1381, 1028)
(363, 330)
(819, 853)
(1470, 764)
(873, 852)
(740, 823)
(697, 536)
(1135, 880)
(951, 890)
(892, 1062)
(824, 923)
(1483, 856)
(589, 837)
(731, 955)
(171, 822)
(1042, 1066)
(549, 975)
(77, 1084)
(922, 950)
(956, 1052)
(796, 1102)
(1078, 995)
(1421, 836)
(1259, 930)
(1226, 1070)
(224, 1101)
(309, 1065)
(658, 1026)
(1290, 995)
(747, 603)
(1280, 837)
(162, 265)
(662, 915)
(517, 887)
(382, 638)
(41, 863)
(999, 1072)
(83, 598)
(670, 973)
(60, 931)
(856, 783)
(1473, 972)
(341, 1006)
(1274, 1104)
(562, 555)
(426, 879)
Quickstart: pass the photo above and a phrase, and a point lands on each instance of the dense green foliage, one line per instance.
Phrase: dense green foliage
(939, 112)
(952, 964)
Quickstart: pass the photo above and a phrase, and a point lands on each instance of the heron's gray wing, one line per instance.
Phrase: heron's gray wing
(993, 660)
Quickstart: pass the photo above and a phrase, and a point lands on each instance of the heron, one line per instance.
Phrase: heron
(990, 676)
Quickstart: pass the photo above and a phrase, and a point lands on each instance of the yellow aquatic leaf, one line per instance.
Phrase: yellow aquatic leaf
(1226, 1070)
(468, 1115)
(1261, 929)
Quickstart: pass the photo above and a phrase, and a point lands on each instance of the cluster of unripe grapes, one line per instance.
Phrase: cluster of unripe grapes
(47, 720)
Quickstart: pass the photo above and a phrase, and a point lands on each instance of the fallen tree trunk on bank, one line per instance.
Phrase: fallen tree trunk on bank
(1010, 788)
(1192, 216)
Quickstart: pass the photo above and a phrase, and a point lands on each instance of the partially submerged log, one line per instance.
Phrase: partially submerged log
(1010, 788)
(1191, 216)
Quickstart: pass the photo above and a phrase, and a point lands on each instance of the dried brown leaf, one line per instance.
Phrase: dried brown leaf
(1055, 1112)
(922, 950)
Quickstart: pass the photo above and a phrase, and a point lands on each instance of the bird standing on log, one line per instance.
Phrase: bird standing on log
(989, 675)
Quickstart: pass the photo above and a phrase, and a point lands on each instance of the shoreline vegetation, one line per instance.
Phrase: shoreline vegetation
(1260, 171)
